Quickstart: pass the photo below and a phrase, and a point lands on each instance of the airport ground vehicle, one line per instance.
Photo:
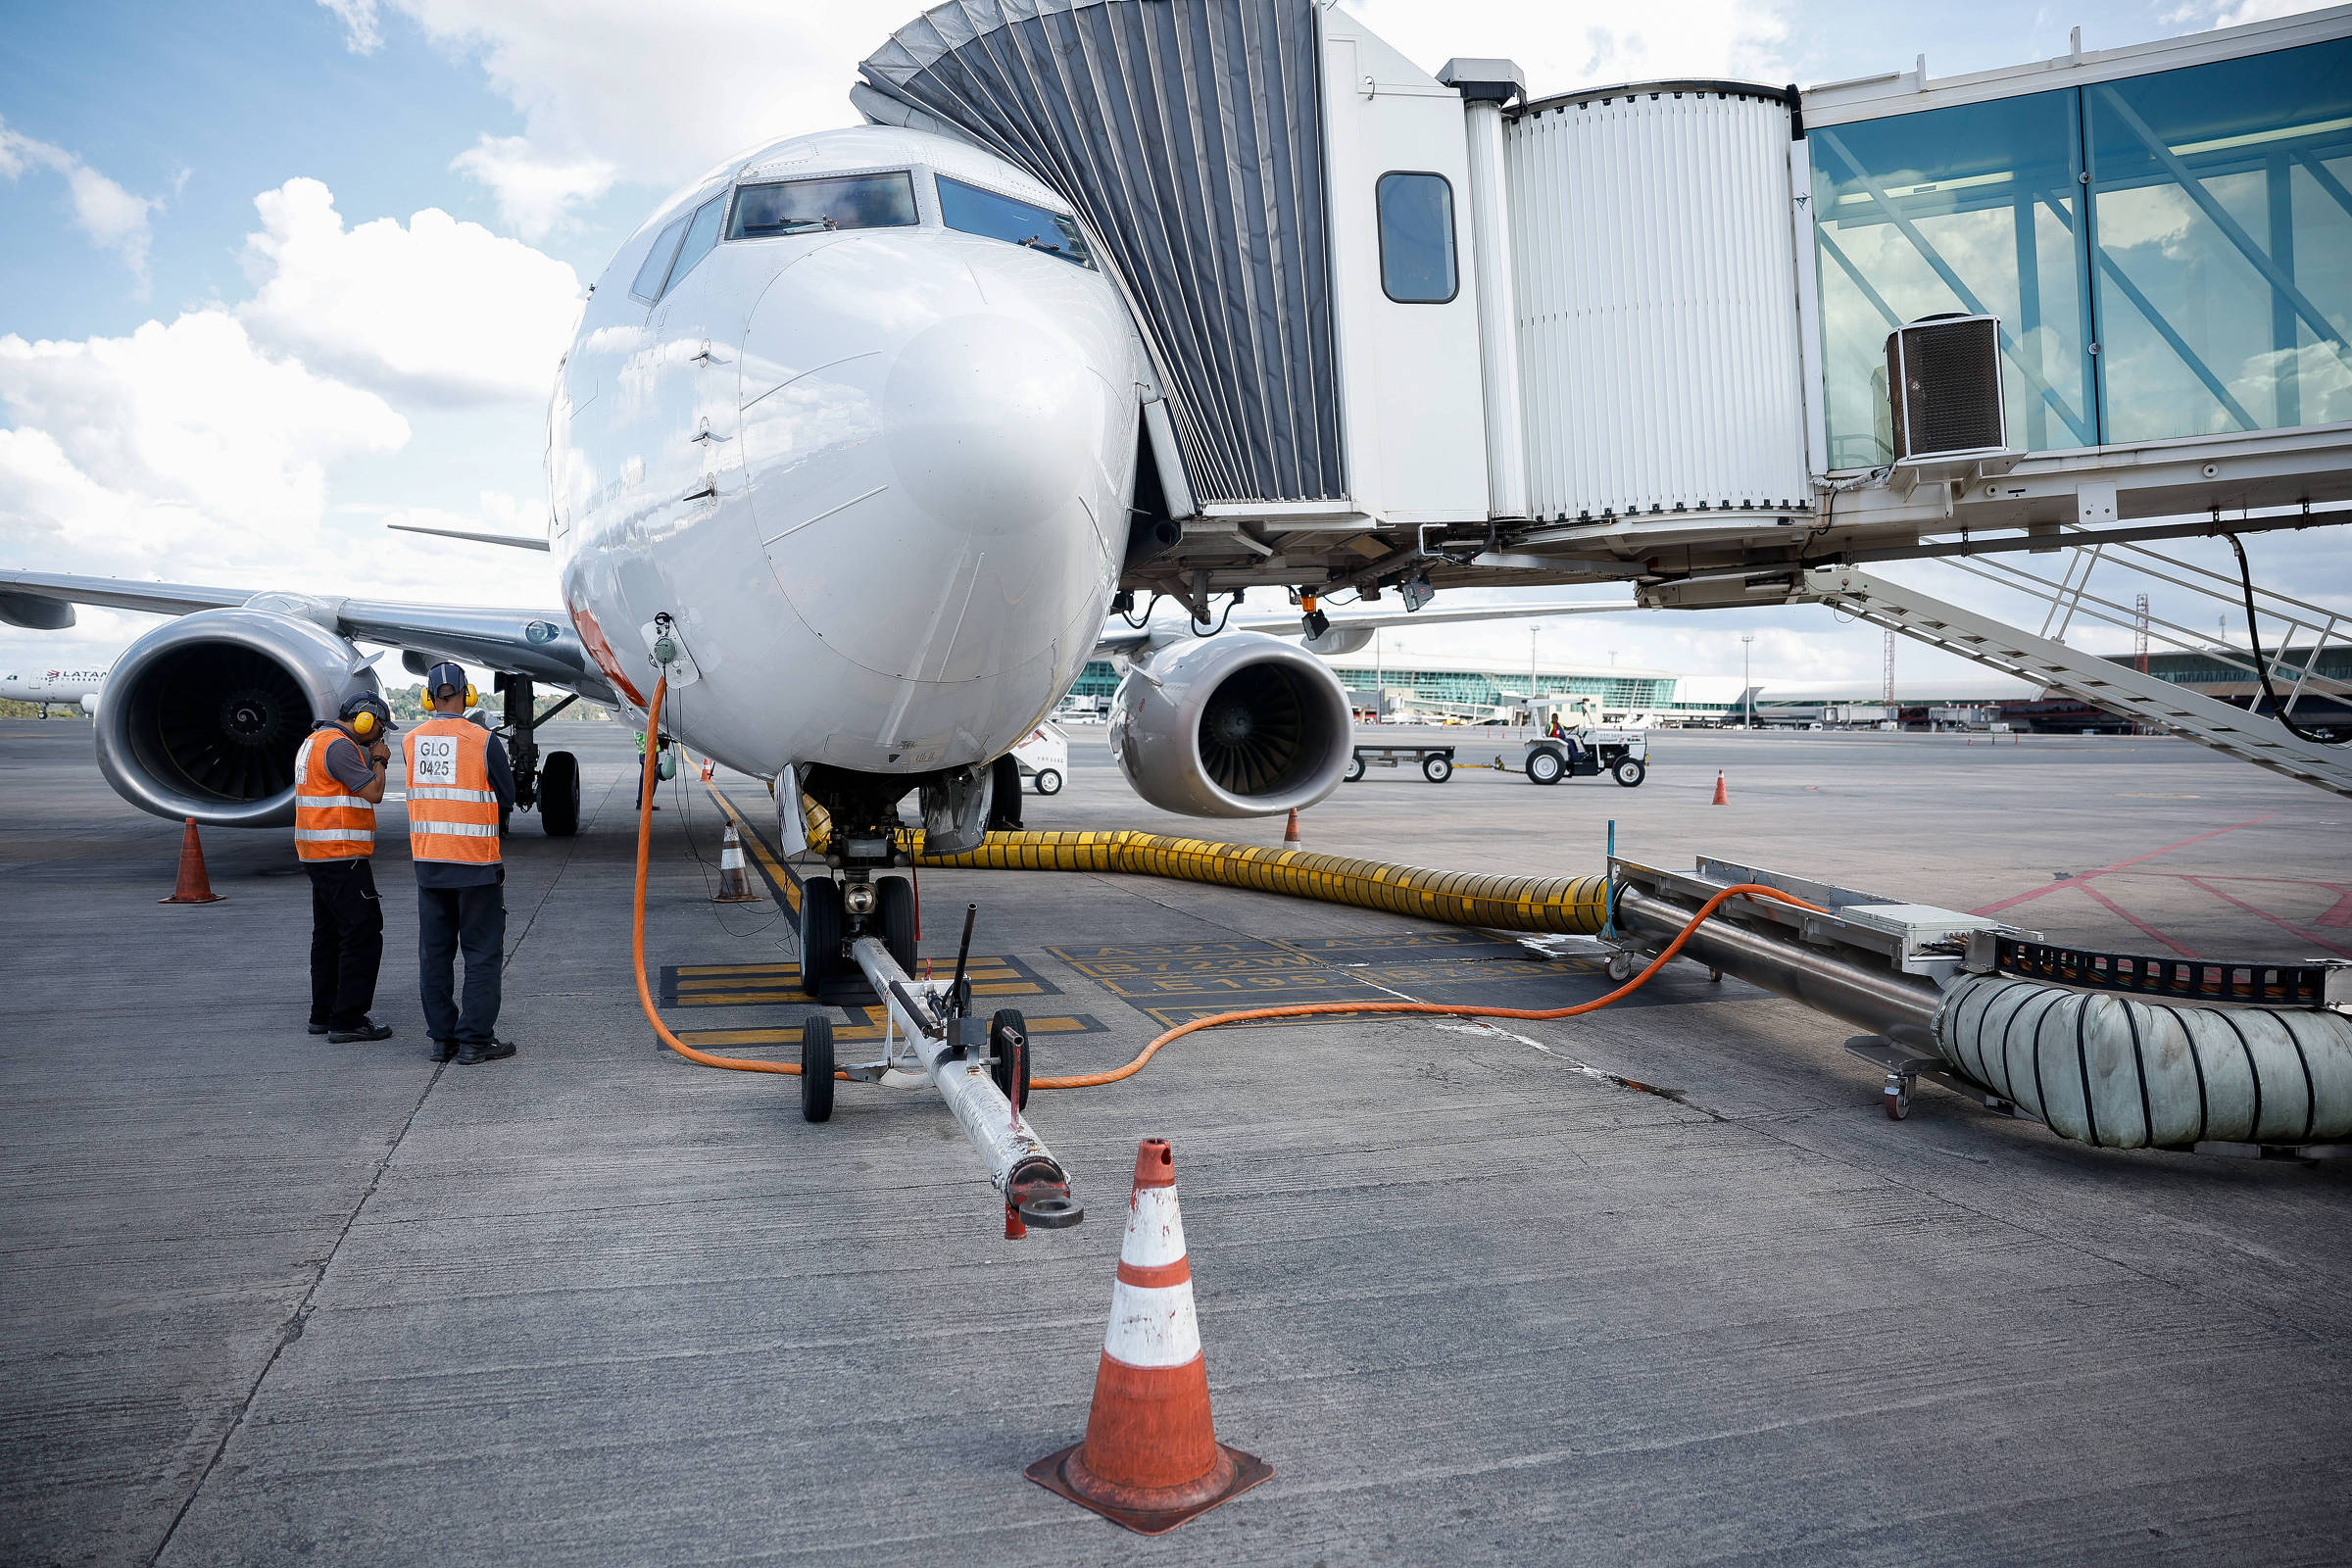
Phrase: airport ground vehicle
(1435, 761)
(1045, 758)
(1622, 754)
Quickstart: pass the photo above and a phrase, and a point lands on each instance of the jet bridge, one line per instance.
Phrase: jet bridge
(1421, 331)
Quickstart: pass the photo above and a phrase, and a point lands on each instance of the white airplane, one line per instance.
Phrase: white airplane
(54, 687)
(850, 428)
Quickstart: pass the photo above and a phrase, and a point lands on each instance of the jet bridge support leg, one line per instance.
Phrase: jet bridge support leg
(952, 1053)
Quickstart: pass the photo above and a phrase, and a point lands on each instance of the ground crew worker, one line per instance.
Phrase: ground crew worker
(338, 780)
(459, 782)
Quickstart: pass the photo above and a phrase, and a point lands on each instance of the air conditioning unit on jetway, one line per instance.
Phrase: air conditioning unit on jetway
(1943, 378)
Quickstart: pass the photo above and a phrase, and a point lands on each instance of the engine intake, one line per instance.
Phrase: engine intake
(1236, 726)
(203, 716)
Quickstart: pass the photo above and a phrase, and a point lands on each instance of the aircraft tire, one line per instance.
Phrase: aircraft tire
(559, 795)
(816, 1067)
(820, 932)
(897, 897)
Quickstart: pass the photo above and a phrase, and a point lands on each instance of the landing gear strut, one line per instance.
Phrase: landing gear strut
(554, 789)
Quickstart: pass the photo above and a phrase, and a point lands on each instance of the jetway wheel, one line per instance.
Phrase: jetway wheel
(820, 931)
(1437, 769)
(1049, 781)
(816, 1067)
(1544, 766)
(1629, 771)
(1355, 769)
(999, 1049)
(897, 897)
(559, 795)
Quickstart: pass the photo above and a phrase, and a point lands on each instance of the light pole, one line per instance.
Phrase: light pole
(1747, 690)
(1531, 677)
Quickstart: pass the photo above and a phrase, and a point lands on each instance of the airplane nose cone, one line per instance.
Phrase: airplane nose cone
(992, 424)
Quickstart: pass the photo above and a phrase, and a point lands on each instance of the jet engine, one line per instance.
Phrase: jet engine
(1236, 726)
(203, 716)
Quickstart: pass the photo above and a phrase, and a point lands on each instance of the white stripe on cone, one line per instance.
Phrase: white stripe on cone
(1154, 1229)
(1151, 1325)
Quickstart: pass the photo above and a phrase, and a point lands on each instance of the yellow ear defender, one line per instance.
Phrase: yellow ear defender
(474, 699)
(363, 723)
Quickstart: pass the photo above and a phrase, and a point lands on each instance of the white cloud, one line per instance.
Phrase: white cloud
(497, 512)
(439, 312)
(178, 448)
(1582, 44)
(2201, 13)
(112, 217)
(363, 34)
(661, 93)
(535, 194)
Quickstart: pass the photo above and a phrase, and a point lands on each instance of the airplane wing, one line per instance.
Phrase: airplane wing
(1350, 632)
(539, 644)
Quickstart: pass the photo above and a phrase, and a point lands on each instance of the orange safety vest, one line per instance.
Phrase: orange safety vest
(453, 812)
(330, 823)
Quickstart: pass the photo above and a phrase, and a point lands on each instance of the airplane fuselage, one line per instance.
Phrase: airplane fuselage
(875, 467)
(59, 688)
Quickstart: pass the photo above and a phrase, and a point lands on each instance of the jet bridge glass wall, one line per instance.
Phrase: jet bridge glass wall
(2170, 255)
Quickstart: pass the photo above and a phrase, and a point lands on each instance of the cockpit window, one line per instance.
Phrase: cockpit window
(655, 269)
(701, 235)
(815, 206)
(983, 212)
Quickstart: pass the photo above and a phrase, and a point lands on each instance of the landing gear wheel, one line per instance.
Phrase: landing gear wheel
(1629, 771)
(1437, 769)
(816, 1067)
(1010, 1020)
(1897, 1097)
(897, 898)
(1621, 966)
(1049, 781)
(1545, 766)
(1356, 771)
(820, 932)
(559, 795)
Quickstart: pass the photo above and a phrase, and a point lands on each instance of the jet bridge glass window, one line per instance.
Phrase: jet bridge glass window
(1973, 210)
(817, 206)
(982, 212)
(1416, 239)
(2170, 254)
(2222, 203)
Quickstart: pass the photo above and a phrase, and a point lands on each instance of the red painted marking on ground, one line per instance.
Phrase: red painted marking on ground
(2341, 952)
(2077, 881)
(2240, 876)
(2338, 919)
(2103, 898)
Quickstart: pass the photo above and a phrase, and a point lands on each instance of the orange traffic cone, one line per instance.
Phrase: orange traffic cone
(708, 768)
(1722, 796)
(1289, 834)
(194, 886)
(1150, 1458)
(734, 886)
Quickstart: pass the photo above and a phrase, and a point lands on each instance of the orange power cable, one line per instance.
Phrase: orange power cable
(645, 847)
(1321, 1008)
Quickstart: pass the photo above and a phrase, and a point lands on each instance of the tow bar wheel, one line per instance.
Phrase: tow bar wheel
(1544, 766)
(816, 1067)
(1003, 1030)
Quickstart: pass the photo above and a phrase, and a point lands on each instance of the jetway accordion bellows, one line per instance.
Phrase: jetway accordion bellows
(1187, 135)
(1944, 375)
(1656, 283)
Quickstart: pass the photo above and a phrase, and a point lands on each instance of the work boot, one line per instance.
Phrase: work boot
(473, 1051)
(445, 1050)
(364, 1029)
(318, 1028)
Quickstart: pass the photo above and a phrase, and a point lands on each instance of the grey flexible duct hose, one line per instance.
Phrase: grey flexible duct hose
(2119, 1073)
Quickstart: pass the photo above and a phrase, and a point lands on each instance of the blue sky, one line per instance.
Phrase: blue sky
(193, 386)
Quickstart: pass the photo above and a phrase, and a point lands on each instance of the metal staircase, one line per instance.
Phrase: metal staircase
(2118, 688)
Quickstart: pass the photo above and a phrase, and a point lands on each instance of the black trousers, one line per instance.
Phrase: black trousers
(347, 942)
(450, 921)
